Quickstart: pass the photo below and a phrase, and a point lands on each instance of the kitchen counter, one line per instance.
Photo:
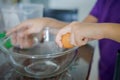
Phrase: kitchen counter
(79, 70)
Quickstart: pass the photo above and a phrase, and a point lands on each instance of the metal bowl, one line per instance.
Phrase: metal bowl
(45, 59)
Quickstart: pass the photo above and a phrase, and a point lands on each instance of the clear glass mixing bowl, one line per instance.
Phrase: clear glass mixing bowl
(45, 59)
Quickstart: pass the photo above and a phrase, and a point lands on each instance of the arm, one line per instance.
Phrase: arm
(110, 31)
(81, 33)
(60, 24)
(53, 22)
(36, 25)
(22, 35)
(90, 19)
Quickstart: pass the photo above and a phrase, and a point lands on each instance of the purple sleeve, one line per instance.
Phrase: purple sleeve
(96, 9)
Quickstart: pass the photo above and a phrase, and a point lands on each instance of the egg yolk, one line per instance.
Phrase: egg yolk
(66, 41)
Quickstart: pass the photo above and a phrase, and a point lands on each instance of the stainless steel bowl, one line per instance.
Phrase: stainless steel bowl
(43, 60)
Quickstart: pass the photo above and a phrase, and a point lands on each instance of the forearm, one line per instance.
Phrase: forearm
(110, 30)
(53, 22)
(59, 24)
(90, 19)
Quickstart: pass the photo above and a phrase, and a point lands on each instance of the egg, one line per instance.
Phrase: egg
(66, 41)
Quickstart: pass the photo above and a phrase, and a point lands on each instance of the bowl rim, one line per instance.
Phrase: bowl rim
(46, 55)
(35, 56)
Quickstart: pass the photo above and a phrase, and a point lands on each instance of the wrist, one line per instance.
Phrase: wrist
(106, 29)
(45, 22)
(50, 22)
(98, 31)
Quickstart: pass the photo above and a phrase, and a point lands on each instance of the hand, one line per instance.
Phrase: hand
(81, 33)
(22, 35)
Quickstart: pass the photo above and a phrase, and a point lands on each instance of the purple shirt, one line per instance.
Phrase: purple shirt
(107, 11)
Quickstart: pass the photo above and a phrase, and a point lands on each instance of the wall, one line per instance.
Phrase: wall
(84, 6)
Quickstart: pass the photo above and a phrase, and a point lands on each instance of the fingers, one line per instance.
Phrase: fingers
(32, 30)
(83, 41)
(24, 41)
(18, 28)
(28, 42)
(80, 40)
(14, 39)
(75, 39)
(19, 39)
(22, 34)
(58, 40)
(72, 39)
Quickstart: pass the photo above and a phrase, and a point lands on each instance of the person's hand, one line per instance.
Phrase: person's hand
(22, 34)
(81, 33)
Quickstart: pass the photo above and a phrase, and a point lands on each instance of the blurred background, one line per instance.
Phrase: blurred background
(64, 10)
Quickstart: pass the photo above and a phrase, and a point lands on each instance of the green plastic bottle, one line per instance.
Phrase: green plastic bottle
(8, 43)
(2, 35)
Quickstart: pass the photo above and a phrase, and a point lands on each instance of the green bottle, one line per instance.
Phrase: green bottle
(8, 43)
(2, 35)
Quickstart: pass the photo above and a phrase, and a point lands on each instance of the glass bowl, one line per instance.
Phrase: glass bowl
(43, 60)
